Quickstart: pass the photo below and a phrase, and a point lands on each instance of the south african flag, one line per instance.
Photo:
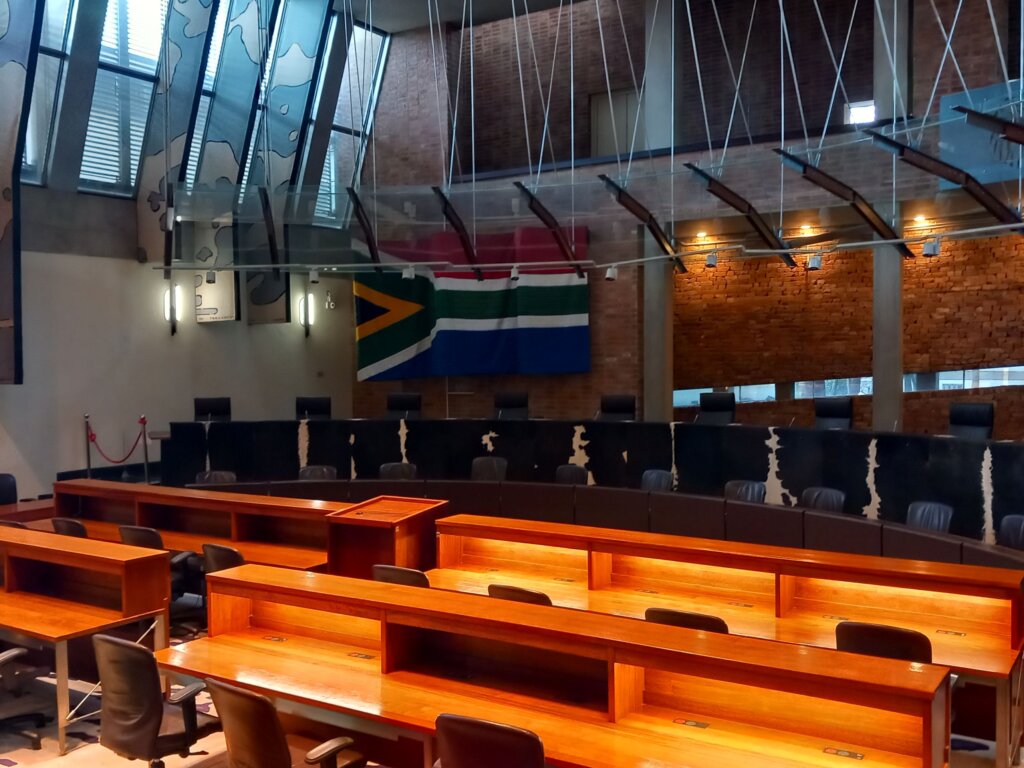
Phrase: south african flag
(456, 325)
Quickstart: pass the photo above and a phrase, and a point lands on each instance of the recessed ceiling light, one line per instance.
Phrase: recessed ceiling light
(805, 227)
(919, 218)
(702, 235)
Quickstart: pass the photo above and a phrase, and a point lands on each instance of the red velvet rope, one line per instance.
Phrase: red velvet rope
(92, 439)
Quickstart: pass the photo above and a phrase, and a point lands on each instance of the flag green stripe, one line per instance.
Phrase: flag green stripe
(559, 300)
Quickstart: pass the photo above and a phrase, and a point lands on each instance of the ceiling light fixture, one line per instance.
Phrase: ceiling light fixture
(932, 247)
(814, 262)
(712, 260)
(409, 273)
(514, 276)
(612, 273)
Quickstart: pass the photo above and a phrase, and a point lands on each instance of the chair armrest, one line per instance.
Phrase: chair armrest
(179, 560)
(186, 693)
(15, 653)
(186, 699)
(335, 754)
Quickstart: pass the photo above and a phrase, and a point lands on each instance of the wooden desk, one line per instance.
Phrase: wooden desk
(391, 530)
(269, 530)
(56, 588)
(599, 690)
(27, 511)
(971, 614)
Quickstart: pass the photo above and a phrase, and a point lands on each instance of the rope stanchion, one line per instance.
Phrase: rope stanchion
(92, 441)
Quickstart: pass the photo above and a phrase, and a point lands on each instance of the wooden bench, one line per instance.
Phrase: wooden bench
(971, 614)
(599, 690)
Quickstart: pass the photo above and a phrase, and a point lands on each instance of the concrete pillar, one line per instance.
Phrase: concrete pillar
(892, 26)
(887, 340)
(658, 299)
(658, 95)
(72, 121)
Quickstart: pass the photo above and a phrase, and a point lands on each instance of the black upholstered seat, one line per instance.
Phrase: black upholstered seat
(972, 421)
(488, 468)
(15, 675)
(395, 574)
(511, 405)
(518, 594)
(883, 640)
(687, 619)
(8, 489)
(716, 408)
(466, 742)
(656, 480)
(823, 499)
(930, 516)
(745, 490)
(571, 474)
(398, 470)
(318, 472)
(1011, 532)
(833, 412)
(212, 408)
(405, 405)
(216, 477)
(312, 408)
(69, 526)
(220, 557)
(617, 408)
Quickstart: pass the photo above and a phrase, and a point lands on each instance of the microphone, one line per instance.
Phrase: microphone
(500, 411)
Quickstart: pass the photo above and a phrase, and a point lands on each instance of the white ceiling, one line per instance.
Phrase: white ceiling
(403, 15)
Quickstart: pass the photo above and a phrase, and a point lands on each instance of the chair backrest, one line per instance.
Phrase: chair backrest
(8, 489)
(882, 640)
(973, 421)
(823, 499)
(398, 470)
(318, 472)
(465, 742)
(405, 405)
(687, 619)
(833, 412)
(212, 408)
(220, 557)
(216, 477)
(512, 405)
(518, 594)
(394, 574)
(131, 707)
(656, 480)
(488, 468)
(12, 524)
(930, 515)
(746, 490)
(571, 474)
(617, 408)
(1011, 532)
(140, 536)
(252, 730)
(312, 408)
(716, 408)
(69, 526)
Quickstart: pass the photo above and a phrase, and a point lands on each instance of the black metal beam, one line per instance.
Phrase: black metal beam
(548, 220)
(635, 207)
(268, 221)
(366, 226)
(1006, 129)
(929, 164)
(834, 186)
(460, 229)
(741, 204)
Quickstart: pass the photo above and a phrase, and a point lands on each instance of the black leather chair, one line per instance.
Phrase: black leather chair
(833, 412)
(571, 474)
(69, 526)
(12, 524)
(318, 472)
(686, 515)
(823, 499)
(212, 408)
(220, 557)
(910, 543)
(312, 408)
(14, 677)
(398, 470)
(1011, 532)
(518, 594)
(930, 516)
(256, 739)
(853, 534)
(466, 742)
(686, 619)
(972, 421)
(405, 405)
(136, 721)
(488, 469)
(883, 640)
(746, 490)
(395, 574)
(511, 405)
(617, 408)
(758, 523)
(716, 408)
(656, 480)
(604, 507)
(8, 489)
(547, 502)
(216, 477)
(184, 565)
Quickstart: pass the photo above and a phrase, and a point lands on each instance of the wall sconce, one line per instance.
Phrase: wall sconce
(612, 273)
(814, 262)
(712, 260)
(172, 307)
(307, 312)
(932, 247)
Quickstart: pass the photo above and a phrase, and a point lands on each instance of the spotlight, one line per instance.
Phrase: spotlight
(805, 228)
(211, 277)
(314, 276)
(814, 262)
(712, 260)
(701, 235)
(612, 273)
(932, 247)
(409, 273)
(515, 273)
(919, 219)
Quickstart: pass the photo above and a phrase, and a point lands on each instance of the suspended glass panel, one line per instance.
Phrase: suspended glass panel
(338, 175)
(355, 100)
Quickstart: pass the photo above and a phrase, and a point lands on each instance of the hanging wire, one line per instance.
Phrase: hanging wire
(700, 81)
(792, 70)
(452, 107)
(572, 123)
(458, 90)
(999, 49)
(472, 110)
(522, 88)
(632, 69)
(946, 53)
(437, 86)
(608, 85)
(737, 81)
(547, 102)
(838, 84)
(897, 94)
(536, 67)
(640, 99)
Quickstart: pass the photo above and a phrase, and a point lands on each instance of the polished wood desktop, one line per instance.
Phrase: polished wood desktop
(265, 529)
(27, 511)
(57, 588)
(389, 530)
(970, 614)
(600, 690)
